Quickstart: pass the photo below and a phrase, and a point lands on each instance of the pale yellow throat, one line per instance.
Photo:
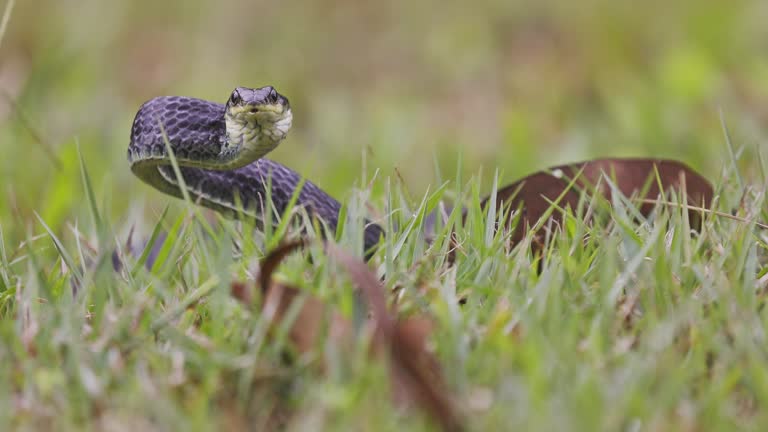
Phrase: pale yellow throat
(256, 133)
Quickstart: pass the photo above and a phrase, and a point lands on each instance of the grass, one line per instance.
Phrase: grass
(643, 327)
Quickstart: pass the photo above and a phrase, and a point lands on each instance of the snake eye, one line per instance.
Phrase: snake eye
(272, 97)
(235, 98)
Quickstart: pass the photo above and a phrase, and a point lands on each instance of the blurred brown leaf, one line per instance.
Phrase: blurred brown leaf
(308, 326)
(415, 370)
(241, 291)
(273, 259)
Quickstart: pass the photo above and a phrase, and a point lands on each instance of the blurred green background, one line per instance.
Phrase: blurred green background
(391, 86)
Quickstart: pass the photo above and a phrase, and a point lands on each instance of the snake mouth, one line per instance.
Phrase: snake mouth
(273, 121)
(277, 108)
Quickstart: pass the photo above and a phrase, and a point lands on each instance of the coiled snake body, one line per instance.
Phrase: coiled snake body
(219, 149)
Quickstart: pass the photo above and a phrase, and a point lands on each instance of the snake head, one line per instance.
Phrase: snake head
(263, 99)
(258, 118)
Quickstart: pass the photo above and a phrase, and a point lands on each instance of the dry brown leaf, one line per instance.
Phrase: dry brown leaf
(415, 370)
(273, 259)
(242, 292)
(535, 193)
(563, 185)
(417, 373)
(308, 326)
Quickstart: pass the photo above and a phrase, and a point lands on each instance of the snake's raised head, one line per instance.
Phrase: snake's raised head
(257, 119)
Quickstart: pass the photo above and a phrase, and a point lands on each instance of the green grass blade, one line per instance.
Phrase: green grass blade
(62, 251)
(156, 231)
(87, 185)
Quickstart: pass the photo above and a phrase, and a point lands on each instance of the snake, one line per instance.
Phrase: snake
(220, 153)
(219, 150)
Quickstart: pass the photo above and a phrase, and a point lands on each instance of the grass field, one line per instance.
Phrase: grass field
(397, 105)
